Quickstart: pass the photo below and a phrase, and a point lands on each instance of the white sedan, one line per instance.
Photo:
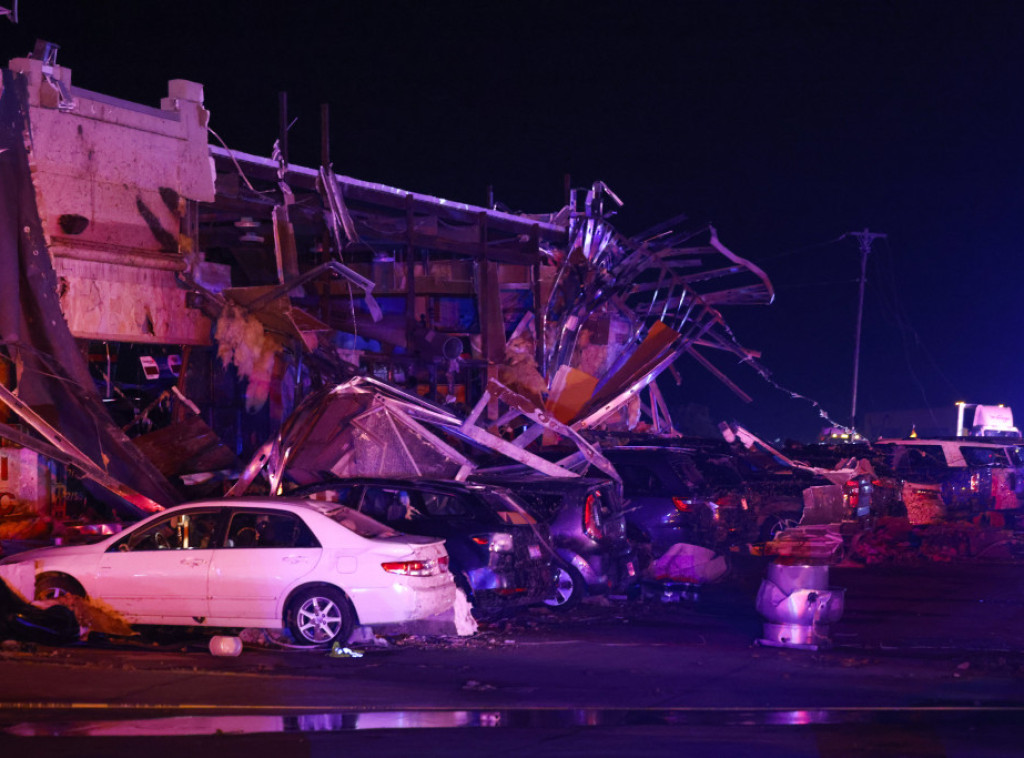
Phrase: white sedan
(316, 569)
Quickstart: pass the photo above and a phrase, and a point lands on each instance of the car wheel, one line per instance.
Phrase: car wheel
(53, 587)
(569, 588)
(320, 616)
(776, 523)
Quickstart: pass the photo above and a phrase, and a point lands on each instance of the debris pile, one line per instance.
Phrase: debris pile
(896, 540)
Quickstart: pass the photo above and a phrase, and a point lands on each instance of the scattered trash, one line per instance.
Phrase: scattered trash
(338, 651)
(895, 540)
(822, 543)
(670, 592)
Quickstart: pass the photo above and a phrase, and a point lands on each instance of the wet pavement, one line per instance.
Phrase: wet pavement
(931, 656)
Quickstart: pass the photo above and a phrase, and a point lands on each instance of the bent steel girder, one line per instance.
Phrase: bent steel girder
(652, 279)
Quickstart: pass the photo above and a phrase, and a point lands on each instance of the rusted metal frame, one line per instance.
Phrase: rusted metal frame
(513, 399)
(691, 349)
(461, 248)
(650, 411)
(727, 344)
(701, 325)
(252, 469)
(622, 398)
(738, 296)
(410, 268)
(493, 442)
(79, 459)
(392, 197)
(716, 243)
(425, 416)
(339, 211)
(674, 282)
(546, 309)
(540, 320)
(660, 410)
(717, 273)
(330, 266)
(492, 326)
(45, 449)
(682, 257)
(338, 216)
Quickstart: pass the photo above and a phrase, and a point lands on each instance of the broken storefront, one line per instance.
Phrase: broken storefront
(168, 303)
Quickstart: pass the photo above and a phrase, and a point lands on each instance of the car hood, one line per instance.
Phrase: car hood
(53, 552)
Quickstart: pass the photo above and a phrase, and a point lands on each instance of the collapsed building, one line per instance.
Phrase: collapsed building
(167, 304)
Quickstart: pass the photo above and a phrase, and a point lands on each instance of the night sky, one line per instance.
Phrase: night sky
(784, 124)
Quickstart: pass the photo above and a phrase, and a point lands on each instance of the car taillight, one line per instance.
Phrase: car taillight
(417, 568)
(975, 482)
(728, 500)
(682, 505)
(499, 542)
(591, 519)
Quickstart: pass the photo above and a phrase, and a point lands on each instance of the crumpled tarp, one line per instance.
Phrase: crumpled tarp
(688, 563)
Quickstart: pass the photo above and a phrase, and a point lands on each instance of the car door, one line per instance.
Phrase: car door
(266, 552)
(158, 573)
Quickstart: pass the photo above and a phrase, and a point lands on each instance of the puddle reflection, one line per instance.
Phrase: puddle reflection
(414, 719)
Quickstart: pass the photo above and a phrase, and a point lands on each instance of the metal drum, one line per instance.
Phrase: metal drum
(798, 606)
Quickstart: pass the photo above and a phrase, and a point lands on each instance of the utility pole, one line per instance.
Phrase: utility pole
(865, 239)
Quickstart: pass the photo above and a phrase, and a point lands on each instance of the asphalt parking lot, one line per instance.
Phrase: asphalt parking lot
(934, 651)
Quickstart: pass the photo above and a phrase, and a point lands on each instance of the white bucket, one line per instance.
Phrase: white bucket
(224, 645)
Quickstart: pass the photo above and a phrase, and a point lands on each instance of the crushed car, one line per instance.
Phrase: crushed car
(587, 530)
(499, 554)
(667, 501)
(958, 478)
(24, 622)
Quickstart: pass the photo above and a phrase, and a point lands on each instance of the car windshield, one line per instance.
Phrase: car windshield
(904, 458)
(983, 456)
(362, 525)
(1016, 454)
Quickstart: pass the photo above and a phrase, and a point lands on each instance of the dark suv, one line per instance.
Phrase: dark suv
(587, 528)
(497, 551)
(667, 500)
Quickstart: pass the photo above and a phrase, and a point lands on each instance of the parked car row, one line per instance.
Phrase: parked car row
(370, 551)
(499, 554)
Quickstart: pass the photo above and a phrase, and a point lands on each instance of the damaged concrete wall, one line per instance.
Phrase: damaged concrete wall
(112, 181)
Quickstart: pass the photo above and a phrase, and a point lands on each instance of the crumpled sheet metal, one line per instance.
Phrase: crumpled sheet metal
(367, 427)
(358, 429)
(656, 283)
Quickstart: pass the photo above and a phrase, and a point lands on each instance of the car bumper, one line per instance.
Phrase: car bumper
(403, 601)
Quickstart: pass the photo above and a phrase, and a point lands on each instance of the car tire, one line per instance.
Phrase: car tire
(570, 588)
(320, 615)
(775, 523)
(54, 587)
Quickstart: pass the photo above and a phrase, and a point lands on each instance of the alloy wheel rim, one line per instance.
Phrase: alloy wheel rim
(319, 619)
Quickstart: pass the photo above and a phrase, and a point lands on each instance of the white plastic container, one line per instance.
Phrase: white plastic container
(225, 645)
